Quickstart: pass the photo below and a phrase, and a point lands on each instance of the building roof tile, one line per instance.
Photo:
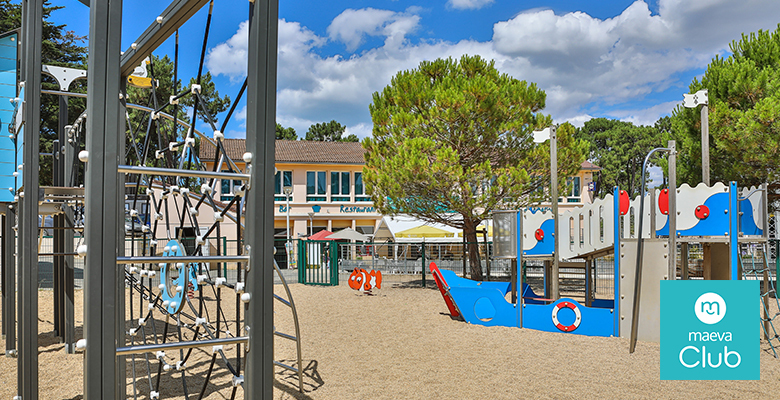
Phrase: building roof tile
(295, 151)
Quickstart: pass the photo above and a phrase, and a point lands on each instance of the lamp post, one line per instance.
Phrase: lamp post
(287, 190)
(311, 224)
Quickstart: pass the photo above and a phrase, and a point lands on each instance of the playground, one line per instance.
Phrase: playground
(403, 344)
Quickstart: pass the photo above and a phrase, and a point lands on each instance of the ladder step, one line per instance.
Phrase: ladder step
(132, 169)
(182, 259)
(286, 336)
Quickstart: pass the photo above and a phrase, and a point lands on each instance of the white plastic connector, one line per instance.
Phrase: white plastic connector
(219, 217)
(149, 192)
(218, 135)
(133, 213)
(174, 304)
(247, 157)
(194, 211)
(152, 273)
(132, 331)
(238, 380)
(158, 154)
(154, 395)
(83, 157)
(179, 289)
(199, 241)
(161, 265)
(144, 272)
(219, 282)
(133, 270)
(215, 349)
(166, 303)
(195, 88)
(190, 141)
(173, 100)
(202, 279)
(180, 365)
(145, 228)
(81, 344)
(155, 115)
(152, 243)
(158, 216)
(161, 286)
(167, 249)
(185, 191)
(82, 250)
(167, 367)
(239, 287)
(246, 297)
(240, 191)
(200, 321)
(204, 188)
(150, 306)
(172, 146)
(175, 190)
(159, 19)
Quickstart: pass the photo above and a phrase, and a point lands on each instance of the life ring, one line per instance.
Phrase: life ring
(577, 316)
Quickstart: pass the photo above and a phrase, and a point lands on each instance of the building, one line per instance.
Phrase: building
(325, 180)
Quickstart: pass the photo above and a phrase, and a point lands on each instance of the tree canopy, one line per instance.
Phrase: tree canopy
(744, 115)
(452, 141)
(619, 148)
(329, 132)
(283, 133)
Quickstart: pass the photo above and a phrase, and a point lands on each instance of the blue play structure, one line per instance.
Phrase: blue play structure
(720, 215)
(8, 105)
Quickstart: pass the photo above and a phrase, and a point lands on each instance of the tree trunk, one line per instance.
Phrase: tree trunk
(470, 231)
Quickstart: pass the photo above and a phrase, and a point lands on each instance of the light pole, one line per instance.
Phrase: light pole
(311, 224)
(287, 190)
(692, 101)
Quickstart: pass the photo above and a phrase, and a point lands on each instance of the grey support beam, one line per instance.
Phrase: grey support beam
(9, 279)
(166, 24)
(104, 192)
(27, 372)
(260, 128)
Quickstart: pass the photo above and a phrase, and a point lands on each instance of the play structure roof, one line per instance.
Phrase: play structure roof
(321, 235)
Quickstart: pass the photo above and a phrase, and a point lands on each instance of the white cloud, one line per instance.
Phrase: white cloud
(585, 65)
(351, 26)
(469, 4)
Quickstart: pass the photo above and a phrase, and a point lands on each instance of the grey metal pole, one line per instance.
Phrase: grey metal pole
(705, 145)
(260, 137)
(27, 371)
(103, 284)
(9, 279)
(672, 273)
(554, 287)
(639, 254)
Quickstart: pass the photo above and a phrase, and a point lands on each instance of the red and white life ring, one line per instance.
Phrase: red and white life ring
(577, 316)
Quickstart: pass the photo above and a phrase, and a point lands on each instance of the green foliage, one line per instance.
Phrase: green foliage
(329, 132)
(60, 48)
(620, 148)
(452, 141)
(283, 133)
(744, 115)
(162, 70)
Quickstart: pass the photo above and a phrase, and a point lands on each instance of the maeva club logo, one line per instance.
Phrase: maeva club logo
(710, 308)
(709, 330)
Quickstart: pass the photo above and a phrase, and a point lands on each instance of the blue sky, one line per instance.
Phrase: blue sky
(628, 60)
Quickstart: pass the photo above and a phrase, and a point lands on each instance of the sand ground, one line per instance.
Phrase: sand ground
(402, 344)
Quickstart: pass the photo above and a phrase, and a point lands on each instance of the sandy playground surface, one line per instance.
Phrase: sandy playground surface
(402, 344)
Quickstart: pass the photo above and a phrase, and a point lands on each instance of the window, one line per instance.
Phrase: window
(359, 192)
(282, 179)
(227, 187)
(339, 186)
(573, 189)
(316, 184)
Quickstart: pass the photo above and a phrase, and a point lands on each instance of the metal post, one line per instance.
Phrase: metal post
(9, 280)
(423, 263)
(554, 284)
(705, 145)
(27, 371)
(672, 209)
(104, 193)
(260, 124)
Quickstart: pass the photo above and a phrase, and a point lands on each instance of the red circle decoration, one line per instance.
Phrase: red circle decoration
(539, 234)
(624, 202)
(577, 316)
(702, 212)
(663, 202)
